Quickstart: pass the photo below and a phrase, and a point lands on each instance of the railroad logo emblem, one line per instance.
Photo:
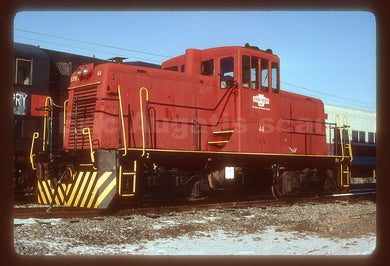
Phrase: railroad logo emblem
(261, 101)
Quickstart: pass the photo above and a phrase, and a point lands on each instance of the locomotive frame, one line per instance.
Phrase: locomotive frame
(117, 147)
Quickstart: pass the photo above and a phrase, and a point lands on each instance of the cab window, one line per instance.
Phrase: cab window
(264, 74)
(227, 72)
(172, 68)
(275, 76)
(254, 73)
(246, 68)
(250, 72)
(23, 71)
(207, 67)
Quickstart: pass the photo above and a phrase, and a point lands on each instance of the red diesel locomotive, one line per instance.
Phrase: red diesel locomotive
(207, 120)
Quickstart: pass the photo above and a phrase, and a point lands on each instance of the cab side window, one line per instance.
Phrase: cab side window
(246, 71)
(207, 67)
(254, 73)
(275, 76)
(172, 68)
(250, 72)
(264, 74)
(227, 72)
(23, 71)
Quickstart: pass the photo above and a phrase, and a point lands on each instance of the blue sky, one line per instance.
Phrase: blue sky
(328, 55)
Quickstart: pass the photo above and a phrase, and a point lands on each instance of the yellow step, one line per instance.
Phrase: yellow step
(223, 132)
(218, 143)
(129, 173)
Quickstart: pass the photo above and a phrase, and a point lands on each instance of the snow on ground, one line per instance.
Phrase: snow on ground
(219, 242)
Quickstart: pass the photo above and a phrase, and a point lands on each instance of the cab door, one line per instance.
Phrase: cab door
(259, 104)
(224, 132)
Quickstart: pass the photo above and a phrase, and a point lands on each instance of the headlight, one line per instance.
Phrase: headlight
(85, 71)
(229, 172)
(78, 71)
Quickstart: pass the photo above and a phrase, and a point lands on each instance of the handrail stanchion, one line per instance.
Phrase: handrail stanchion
(345, 122)
(63, 134)
(142, 117)
(122, 123)
(337, 118)
(35, 136)
(87, 131)
(44, 123)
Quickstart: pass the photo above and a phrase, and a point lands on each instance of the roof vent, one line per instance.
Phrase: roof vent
(117, 59)
(251, 47)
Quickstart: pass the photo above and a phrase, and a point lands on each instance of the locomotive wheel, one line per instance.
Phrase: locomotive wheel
(276, 192)
(22, 181)
(329, 183)
(277, 188)
(199, 189)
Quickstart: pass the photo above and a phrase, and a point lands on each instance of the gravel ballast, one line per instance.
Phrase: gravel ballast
(339, 227)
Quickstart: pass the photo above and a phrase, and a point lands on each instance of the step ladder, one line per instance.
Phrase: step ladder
(346, 151)
(345, 175)
(220, 138)
(127, 179)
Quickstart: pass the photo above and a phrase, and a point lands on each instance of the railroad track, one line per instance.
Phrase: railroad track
(155, 209)
(56, 212)
(261, 201)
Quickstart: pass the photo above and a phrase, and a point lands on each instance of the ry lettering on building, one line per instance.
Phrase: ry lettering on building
(20, 103)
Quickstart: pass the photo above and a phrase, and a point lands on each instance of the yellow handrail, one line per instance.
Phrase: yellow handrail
(134, 174)
(123, 125)
(337, 120)
(44, 124)
(345, 122)
(142, 117)
(65, 105)
(135, 177)
(87, 131)
(35, 136)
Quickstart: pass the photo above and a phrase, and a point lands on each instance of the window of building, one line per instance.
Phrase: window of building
(182, 68)
(362, 136)
(23, 71)
(207, 67)
(371, 137)
(355, 135)
(172, 68)
(227, 72)
(275, 77)
(345, 135)
(264, 75)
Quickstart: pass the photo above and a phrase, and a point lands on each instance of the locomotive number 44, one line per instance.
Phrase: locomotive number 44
(261, 128)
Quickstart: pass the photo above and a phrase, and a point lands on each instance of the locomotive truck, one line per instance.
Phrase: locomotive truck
(208, 120)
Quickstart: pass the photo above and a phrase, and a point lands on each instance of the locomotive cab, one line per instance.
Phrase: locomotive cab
(253, 108)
